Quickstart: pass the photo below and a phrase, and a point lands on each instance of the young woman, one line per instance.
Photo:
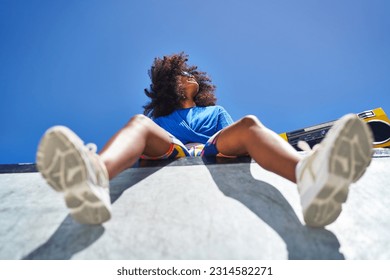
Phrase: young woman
(182, 111)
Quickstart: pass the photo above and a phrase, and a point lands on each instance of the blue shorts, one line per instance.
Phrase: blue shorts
(178, 149)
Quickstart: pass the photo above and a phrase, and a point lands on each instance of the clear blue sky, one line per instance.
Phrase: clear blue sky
(84, 64)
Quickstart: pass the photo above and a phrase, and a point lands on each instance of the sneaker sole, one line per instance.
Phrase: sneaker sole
(62, 165)
(349, 157)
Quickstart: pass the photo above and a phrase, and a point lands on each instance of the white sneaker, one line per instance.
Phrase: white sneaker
(324, 176)
(76, 170)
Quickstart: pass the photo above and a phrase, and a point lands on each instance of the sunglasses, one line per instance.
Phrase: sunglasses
(186, 74)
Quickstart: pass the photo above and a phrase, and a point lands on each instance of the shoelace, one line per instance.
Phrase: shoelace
(304, 146)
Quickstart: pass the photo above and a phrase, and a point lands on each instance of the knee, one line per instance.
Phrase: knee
(138, 120)
(251, 121)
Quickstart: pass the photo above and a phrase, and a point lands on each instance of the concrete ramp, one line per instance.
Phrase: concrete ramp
(194, 208)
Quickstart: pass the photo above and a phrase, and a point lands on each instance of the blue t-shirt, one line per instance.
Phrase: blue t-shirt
(196, 124)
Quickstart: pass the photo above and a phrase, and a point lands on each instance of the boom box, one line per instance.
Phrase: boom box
(376, 119)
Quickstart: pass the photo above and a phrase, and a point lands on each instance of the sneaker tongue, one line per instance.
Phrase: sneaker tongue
(101, 171)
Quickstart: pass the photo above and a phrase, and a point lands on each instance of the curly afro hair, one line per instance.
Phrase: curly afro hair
(165, 91)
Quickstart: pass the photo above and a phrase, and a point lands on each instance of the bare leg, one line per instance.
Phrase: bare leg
(139, 136)
(269, 150)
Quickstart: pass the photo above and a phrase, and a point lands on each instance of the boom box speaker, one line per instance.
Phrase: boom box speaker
(377, 120)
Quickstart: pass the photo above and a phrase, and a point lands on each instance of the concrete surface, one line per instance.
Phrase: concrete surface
(191, 209)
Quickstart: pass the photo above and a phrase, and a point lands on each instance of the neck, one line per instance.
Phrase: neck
(188, 103)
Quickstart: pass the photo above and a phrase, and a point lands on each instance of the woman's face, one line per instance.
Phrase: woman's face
(189, 84)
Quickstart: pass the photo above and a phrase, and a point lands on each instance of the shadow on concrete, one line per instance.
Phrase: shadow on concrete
(72, 237)
(263, 199)
(235, 181)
